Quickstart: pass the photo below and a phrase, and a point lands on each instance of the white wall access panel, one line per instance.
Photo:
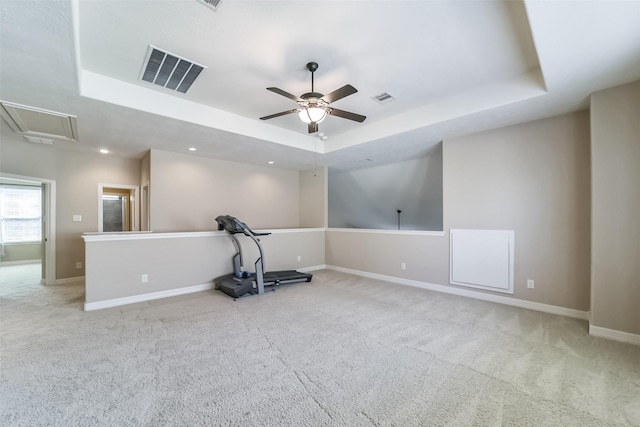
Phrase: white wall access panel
(482, 259)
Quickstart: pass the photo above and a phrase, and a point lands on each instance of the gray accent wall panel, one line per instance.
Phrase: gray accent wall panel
(370, 198)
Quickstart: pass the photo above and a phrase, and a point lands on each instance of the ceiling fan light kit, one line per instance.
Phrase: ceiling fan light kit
(314, 106)
(312, 114)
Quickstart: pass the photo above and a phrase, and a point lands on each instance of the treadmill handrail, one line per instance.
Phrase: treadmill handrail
(247, 230)
(233, 225)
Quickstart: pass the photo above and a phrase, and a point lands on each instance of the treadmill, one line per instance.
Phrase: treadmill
(240, 283)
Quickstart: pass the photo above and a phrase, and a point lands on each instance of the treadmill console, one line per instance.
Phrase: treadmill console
(231, 224)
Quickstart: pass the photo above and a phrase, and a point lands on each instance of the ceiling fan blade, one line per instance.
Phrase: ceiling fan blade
(283, 93)
(345, 90)
(347, 115)
(284, 113)
(313, 127)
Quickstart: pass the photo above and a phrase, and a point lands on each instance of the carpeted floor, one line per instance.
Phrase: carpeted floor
(340, 351)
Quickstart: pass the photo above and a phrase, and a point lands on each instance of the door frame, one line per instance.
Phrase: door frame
(49, 224)
(133, 203)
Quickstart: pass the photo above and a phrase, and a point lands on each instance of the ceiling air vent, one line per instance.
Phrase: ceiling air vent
(38, 123)
(212, 4)
(170, 71)
(383, 98)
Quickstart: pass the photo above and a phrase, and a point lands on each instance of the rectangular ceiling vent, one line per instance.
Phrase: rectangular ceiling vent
(211, 4)
(38, 123)
(169, 71)
(384, 98)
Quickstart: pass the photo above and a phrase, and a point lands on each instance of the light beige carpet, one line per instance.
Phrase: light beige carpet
(340, 351)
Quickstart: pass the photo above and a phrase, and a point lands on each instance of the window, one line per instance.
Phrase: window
(21, 213)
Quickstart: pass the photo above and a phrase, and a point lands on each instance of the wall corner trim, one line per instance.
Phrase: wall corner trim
(530, 305)
(614, 335)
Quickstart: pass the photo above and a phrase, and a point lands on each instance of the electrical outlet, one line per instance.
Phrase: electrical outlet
(145, 278)
(299, 258)
(403, 266)
(77, 218)
(531, 284)
(78, 265)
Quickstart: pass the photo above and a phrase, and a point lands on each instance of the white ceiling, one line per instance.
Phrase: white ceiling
(455, 67)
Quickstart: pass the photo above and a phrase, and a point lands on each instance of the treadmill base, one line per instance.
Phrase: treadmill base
(235, 287)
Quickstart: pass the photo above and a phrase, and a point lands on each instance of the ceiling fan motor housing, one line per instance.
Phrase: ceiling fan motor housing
(310, 95)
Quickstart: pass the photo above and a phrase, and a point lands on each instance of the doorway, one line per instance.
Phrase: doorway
(117, 208)
(23, 224)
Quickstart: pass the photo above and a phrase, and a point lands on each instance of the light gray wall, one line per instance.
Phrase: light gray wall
(426, 257)
(189, 192)
(371, 197)
(14, 252)
(532, 178)
(615, 144)
(19, 157)
(77, 175)
(313, 198)
(115, 267)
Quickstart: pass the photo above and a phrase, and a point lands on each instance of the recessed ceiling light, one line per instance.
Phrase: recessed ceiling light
(104, 151)
(271, 162)
(192, 148)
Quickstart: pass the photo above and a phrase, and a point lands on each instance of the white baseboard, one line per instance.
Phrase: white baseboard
(546, 308)
(612, 334)
(79, 280)
(312, 268)
(89, 306)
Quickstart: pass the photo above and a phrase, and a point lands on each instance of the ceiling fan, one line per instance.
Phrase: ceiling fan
(314, 106)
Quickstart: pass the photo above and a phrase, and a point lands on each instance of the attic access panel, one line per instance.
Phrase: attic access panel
(38, 123)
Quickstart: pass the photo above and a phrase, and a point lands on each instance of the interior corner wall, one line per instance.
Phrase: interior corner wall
(188, 192)
(77, 175)
(615, 228)
(313, 198)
